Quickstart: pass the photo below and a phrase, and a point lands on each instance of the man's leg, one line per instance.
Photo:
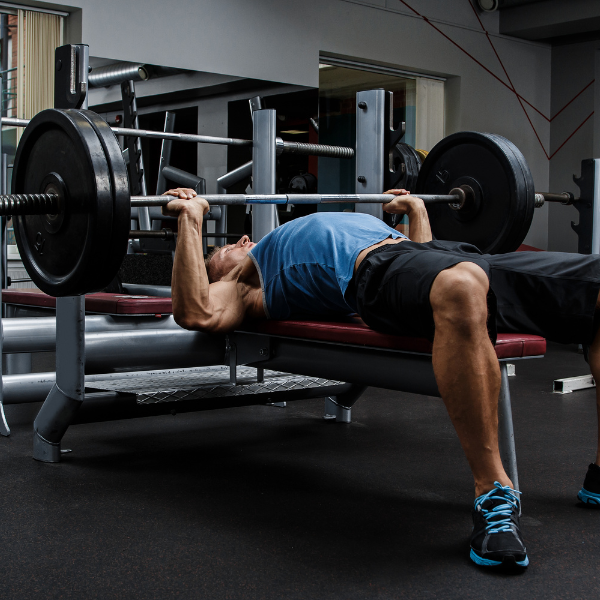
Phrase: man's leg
(466, 368)
(468, 377)
(590, 493)
(594, 360)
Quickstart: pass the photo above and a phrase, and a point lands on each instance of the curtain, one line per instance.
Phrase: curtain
(430, 113)
(39, 35)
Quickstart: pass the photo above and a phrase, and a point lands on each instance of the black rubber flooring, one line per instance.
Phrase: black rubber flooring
(263, 502)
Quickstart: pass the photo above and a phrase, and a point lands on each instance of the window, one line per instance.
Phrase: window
(418, 101)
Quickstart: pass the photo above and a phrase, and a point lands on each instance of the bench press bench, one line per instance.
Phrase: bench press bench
(343, 351)
(352, 352)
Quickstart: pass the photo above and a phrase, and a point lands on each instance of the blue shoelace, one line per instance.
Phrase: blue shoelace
(501, 513)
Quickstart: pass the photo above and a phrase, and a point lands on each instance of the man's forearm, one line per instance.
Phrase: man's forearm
(418, 224)
(189, 283)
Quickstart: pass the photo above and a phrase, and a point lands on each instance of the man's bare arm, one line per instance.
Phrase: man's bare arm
(197, 304)
(414, 209)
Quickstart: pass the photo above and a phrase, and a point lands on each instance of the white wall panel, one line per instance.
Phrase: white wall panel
(280, 40)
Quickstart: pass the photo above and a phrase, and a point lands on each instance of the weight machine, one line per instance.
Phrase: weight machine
(463, 194)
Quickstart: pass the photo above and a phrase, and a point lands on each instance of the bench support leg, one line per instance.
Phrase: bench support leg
(506, 435)
(340, 407)
(4, 428)
(67, 395)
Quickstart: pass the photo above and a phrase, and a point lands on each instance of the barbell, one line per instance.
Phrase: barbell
(282, 146)
(72, 208)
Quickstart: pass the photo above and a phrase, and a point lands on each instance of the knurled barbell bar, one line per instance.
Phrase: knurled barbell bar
(49, 204)
(282, 146)
(72, 208)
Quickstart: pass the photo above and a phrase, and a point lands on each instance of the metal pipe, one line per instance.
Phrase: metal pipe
(237, 199)
(282, 146)
(162, 234)
(38, 334)
(563, 198)
(264, 180)
(223, 184)
(235, 176)
(183, 178)
(34, 387)
(160, 347)
(152, 349)
(165, 152)
(118, 73)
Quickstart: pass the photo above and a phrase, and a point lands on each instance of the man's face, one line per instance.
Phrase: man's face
(232, 255)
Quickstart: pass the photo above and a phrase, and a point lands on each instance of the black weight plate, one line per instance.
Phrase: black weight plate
(116, 249)
(529, 194)
(404, 167)
(496, 172)
(68, 260)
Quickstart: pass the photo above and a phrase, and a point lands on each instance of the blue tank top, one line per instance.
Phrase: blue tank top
(305, 266)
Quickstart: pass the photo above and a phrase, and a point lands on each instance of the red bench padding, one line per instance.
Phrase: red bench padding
(508, 345)
(111, 304)
(527, 248)
(352, 331)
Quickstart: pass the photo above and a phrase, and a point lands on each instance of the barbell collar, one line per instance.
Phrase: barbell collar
(323, 150)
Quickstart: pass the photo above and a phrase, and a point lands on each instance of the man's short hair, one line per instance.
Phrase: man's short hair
(211, 269)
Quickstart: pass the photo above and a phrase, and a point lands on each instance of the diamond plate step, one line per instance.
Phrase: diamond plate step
(204, 383)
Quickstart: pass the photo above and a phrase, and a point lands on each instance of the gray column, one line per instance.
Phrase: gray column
(506, 434)
(264, 217)
(4, 429)
(371, 155)
(596, 206)
(67, 394)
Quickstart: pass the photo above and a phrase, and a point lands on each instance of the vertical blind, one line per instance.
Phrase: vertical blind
(39, 35)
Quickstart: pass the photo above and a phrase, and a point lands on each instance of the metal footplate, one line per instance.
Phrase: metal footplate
(205, 383)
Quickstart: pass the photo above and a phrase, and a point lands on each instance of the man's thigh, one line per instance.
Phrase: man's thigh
(393, 284)
(552, 294)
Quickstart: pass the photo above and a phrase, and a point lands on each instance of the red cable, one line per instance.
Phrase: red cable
(455, 44)
(567, 104)
(487, 35)
(511, 86)
(511, 83)
(585, 120)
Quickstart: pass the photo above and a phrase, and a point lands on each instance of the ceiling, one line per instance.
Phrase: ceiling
(553, 21)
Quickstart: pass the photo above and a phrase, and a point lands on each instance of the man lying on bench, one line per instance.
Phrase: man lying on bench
(339, 263)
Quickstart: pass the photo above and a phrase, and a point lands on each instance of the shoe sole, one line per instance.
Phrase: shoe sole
(509, 561)
(589, 498)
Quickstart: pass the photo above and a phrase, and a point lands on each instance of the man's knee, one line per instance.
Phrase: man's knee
(459, 297)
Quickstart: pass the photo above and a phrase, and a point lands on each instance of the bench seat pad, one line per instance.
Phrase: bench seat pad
(351, 331)
(100, 303)
(354, 331)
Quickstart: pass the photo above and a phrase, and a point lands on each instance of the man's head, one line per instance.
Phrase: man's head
(221, 260)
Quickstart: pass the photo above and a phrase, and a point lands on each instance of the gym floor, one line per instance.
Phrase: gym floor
(262, 502)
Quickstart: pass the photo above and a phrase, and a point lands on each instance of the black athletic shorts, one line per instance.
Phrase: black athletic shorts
(552, 294)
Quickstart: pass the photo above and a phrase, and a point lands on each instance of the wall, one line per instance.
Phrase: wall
(573, 67)
(280, 40)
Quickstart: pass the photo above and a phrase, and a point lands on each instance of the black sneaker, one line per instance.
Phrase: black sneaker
(589, 494)
(496, 538)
